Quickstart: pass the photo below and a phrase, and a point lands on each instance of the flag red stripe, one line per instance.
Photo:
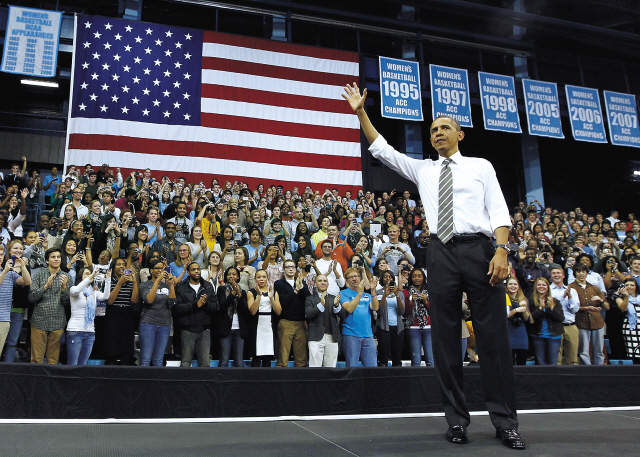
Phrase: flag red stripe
(276, 46)
(208, 150)
(248, 124)
(275, 99)
(274, 71)
(251, 181)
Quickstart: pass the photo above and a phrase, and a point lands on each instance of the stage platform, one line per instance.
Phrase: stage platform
(604, 433)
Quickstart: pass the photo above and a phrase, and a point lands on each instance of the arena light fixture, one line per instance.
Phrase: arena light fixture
(35, 82)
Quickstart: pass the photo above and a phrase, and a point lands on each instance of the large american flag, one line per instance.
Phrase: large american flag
(184, 102)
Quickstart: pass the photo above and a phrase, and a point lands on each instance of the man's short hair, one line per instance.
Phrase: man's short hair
(51, 251)
(92, 173)
(393, 227)
(350, 271)
(189, 266)
(555, 266)
(455, 123)
(130, 192)
(235, 211)
(289, 261)
(167, 224)
(181, 203)
(580, 267)
(326, 240)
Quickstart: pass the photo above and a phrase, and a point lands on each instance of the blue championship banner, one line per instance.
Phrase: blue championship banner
(543, 108)
(400, 89)
(31, 42)
(622, 113)
(450, 94)
(585, 114)
(499, 104)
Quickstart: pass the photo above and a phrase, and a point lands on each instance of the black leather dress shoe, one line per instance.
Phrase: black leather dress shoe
(457, 434)
(511, 438)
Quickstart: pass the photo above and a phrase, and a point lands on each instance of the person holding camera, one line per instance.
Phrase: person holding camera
(158, 297)
(389, 328)
(517, 316)
(394, 250)
(182, 222)
(528, 270)
(614, 281)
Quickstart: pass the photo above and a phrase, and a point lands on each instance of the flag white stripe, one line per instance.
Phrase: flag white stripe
(279, 113)
(268, 84)
(238, 168)
(213, 136)
(279, 59)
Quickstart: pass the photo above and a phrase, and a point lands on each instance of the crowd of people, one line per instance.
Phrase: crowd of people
(218, 270)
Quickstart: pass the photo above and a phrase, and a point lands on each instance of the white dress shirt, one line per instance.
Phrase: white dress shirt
(570, 306)
(478, 203)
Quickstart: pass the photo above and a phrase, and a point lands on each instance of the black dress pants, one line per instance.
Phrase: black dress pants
(461, 266)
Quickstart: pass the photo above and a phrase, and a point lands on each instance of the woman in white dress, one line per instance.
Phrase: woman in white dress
(263, 306)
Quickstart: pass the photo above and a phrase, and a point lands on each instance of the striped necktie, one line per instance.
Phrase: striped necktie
(445, 202)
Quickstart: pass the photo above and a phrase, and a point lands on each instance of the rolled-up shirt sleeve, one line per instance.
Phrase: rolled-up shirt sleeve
(494, 201)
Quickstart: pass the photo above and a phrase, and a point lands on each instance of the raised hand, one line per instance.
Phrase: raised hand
(352, 95)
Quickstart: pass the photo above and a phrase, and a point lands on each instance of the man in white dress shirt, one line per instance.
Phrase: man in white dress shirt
(464, 208)
(570, 306)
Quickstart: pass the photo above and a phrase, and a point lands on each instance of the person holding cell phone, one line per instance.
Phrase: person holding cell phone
(14, 273)
(80, 328)
(158, 297)
(118, 327)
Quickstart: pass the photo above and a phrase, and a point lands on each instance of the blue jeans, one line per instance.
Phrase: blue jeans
(195, 341)
(79, 346)
(546, 350)
(359, 348)
(13, 336)
(420, 338)
(232, 341)
(153, 342)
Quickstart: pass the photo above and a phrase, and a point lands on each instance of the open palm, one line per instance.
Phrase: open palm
(352, 95)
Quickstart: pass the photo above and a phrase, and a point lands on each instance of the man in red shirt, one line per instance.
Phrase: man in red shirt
(342, 252)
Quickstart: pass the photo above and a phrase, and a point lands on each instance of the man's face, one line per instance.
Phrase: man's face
(194, 272)
(276, 226)
(581, 275)
(289, 269)
(77, 194)
(92, 179)
(551, 227)
(444, 136)
(393, 233)
(333, 232)
(635, 266)
(181, 210)
(325, 223)
(557, 276)
(54, 260)
(327, 249)
(322, 283)
(423, 239)
(43, 222)
(354, 279)
(579, 243)
(298, 214)
(530, 255)
(171, 230)
(15, 169)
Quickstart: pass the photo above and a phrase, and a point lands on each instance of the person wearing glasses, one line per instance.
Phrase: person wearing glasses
(81, 210)
(290, 295)
(357, 335)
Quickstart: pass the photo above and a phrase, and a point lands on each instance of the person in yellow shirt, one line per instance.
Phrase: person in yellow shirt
(210, 226)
